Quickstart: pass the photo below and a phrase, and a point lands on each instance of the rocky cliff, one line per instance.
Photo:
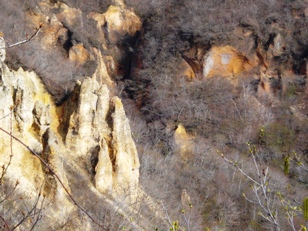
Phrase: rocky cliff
(112, 112)
(88, 135)
(73, 166)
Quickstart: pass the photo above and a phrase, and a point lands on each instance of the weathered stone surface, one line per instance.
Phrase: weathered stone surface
(183, 141)
(78, 54)
(68, 14)
(27, 111)
(99, 121)
(86, 141)
(2, 50)
(185, 70)
(278, 46)
(52, 30)
(98, 128)
(103, 176)
(226, 61)
(105, 65)
(125, 158)
(118, 21)
(88, 122)
(245, 41)
(96, 133)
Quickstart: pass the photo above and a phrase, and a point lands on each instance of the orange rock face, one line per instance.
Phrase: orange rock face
(226, 61)
(186, 71)
(79, 54)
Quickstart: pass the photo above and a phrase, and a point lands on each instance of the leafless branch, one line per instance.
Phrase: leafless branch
(28, 214)
(260, 189)
(23, 41)
(10, 193)
(167, 217)
(4, 168)
(56, 175)
(5, 223)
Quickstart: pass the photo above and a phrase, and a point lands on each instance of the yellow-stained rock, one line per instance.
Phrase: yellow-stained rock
(97, 128)
(271, 84)
(69, 15)
(103, 64)
(186, 71)
(99, 121)
(27, 112)
(103, 176)
(226, 61)
(125, 157)
(183, 141)
(87, 142)
(51, 31)
(117, 21)
(78, 54)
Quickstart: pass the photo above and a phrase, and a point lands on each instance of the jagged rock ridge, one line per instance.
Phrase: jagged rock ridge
(86, 141)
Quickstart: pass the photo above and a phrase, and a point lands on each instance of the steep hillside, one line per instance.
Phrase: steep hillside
(153, 115)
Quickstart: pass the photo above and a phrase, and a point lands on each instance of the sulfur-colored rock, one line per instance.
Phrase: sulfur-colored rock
(86, 141)
(69, 15)
(101, 74)
(27, 111)
(185, 70)
(124, 157)
(183, 142)
(99, 121)
(78, 54)
(117, 21)
(225, 61)
(96, 128)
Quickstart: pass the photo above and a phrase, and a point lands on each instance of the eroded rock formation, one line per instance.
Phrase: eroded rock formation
(226, 61)
(85, 143)
(100, 125)
(183, 142)
(97, 139)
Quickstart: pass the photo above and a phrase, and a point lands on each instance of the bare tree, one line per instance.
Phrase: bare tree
(266, 196)
(31, 212)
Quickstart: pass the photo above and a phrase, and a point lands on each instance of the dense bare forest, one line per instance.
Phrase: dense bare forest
(225, 115)
(219, 149)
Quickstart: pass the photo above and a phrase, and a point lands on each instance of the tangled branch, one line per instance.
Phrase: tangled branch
(269, 201)
(55, 174)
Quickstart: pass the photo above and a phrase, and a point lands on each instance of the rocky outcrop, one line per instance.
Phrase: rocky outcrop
(88, 135)
(100, 124)
(28, 113)
(186, 71)
(81, 41)
(79, 54)
(2, 50)
(125, 157)
(120, 21)
(226, 61)
(184, 142)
